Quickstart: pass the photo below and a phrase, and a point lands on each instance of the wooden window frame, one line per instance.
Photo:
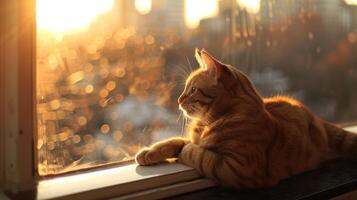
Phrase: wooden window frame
(2, 102)
(17, 91)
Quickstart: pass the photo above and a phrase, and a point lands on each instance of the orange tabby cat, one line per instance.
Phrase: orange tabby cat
(239, 139)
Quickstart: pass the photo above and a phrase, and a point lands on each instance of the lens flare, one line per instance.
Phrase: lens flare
(351, 2)
(195, 10)
(143, 6)
(69, 15)
(252, 6)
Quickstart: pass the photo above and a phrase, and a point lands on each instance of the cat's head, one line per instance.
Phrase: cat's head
(214, 88)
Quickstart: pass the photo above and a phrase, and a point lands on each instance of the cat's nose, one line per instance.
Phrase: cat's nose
(180, 99)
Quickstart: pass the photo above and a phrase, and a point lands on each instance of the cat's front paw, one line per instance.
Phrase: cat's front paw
(149, 156)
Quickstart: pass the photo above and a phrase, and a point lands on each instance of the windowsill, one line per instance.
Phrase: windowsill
(333, 180)
(126, 182)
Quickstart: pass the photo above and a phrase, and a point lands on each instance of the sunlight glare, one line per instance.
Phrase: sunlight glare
(143, 6)
(195, 10)
(351, 2)
(69, 15)
(252, 6)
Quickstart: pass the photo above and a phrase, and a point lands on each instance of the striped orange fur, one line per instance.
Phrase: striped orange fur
(241, 140)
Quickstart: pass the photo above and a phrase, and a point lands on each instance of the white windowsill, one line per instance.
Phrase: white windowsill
(125, 182)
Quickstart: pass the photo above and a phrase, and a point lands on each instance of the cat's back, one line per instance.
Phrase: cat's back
(287, 109)
(281, 102)
(293, 119)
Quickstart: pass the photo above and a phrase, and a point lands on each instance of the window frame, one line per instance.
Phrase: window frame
(17, 91)
(2, 101)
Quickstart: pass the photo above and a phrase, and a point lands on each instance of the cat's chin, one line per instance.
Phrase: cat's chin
(190, 116)
(187, 114)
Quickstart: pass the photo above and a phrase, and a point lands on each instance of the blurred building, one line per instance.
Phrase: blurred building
(352, 12)
(335, 15)
(126, 13)
(275, 11)
(166, 14)
(173, 13)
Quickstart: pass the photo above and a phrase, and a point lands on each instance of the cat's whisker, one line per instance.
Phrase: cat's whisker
(182, 82)
(183, 126)
(186, 69)
(178, 119)
(189, 64)
(178, 68)
(183, 72)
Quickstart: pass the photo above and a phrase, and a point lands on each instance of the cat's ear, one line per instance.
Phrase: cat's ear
(212, 65)
(199, 59)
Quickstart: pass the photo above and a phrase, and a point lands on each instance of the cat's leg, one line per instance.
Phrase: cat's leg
(160, 151)
(226, 170)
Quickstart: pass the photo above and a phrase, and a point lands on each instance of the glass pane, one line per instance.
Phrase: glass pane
(109, 72)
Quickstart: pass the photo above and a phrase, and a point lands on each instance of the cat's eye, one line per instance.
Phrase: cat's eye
(193, 89)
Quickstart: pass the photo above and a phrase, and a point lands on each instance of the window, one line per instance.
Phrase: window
(108, 73)
(108, 77)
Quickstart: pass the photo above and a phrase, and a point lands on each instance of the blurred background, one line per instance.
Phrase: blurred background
(109, 72)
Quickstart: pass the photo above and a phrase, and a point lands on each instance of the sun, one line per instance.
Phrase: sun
(196, 10)
(143, 6)
(351, 2)
(252, 6)
(69, 15)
